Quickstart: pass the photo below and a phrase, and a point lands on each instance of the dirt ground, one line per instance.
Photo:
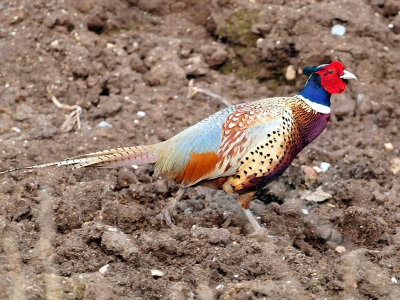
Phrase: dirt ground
(93, 233)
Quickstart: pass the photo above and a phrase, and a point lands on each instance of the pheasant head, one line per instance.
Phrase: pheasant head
(324, 81)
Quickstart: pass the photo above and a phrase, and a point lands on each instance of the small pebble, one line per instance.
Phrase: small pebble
(259, 42)
(104, 124)
(219, 287)
(339, 30)
(104, 269)
(54, 44)
(393, 279)
(304, 211)
(388, 146)
(318, 195)
(340, 249)
(395, 167)
(317, 169)
(290, 73)
(324, 166)
(135, 121)
(135, 167)
(310, 171)
(236, 275)
(157, 273)
(141, 114)
(360, 97)
(16, 129)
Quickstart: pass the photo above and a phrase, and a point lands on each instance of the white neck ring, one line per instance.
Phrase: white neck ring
(323, 109)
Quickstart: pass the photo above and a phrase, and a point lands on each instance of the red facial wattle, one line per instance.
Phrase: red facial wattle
(330, 78)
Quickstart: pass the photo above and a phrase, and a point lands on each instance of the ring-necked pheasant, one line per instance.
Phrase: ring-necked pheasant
(238, 148)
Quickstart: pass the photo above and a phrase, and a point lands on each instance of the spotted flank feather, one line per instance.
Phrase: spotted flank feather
(264, 149)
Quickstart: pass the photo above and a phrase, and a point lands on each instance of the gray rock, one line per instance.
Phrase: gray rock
(195, 66)
(166, 73)
(214, 54)
(119, 243)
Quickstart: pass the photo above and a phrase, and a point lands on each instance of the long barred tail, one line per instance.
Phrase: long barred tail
(111, 158)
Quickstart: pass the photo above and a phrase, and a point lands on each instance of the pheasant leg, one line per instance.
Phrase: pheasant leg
(252, 220)
(165, 214)
(244, 201)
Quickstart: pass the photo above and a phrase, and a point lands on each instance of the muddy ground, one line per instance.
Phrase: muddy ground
(93, 233)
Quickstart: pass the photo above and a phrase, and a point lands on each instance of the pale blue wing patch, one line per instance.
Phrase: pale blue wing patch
(202, 137)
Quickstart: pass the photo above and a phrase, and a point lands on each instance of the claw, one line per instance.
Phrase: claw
(165, 214)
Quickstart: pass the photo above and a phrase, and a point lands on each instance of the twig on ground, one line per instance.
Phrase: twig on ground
(193, 90)
(72, 118)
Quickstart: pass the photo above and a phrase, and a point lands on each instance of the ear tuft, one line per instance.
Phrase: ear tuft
(309, 70)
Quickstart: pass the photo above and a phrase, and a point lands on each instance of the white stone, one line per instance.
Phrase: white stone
(104, 269)
(317, 169)
(290, 73)
(141, 114)
(338, 29)
(304, 211)
(54, 44)
(157, 273)
(340, 249)
(388, 146)
(259, 42)
(324, 166)
(104, 124)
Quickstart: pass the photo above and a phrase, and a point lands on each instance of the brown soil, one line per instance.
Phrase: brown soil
(93, 233)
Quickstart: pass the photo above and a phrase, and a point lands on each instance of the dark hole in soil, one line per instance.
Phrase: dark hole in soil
(105, 92)
(95, 28)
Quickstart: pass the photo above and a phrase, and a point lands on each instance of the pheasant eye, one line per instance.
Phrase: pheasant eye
(330, 71)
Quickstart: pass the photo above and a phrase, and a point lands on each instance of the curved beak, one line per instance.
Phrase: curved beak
(348, 75)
